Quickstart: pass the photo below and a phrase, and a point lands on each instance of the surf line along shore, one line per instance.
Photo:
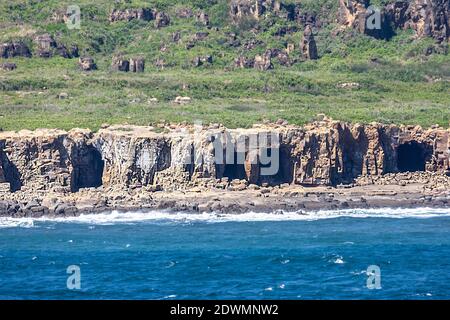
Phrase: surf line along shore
(323, 165)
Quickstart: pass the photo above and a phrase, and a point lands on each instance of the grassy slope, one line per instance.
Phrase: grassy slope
(394, 90)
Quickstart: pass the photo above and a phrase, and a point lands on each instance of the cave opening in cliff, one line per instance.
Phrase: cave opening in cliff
(236, 169)
(411, 157)
(88, 170)
(282, 164)
(10, 174)
(286, 171)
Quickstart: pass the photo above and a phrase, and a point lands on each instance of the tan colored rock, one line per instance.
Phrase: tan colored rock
(162, 19)
(119, 63)
(137, 64)
(182, 100)
(145, 14)
(244, 62)
(87, 64)
(263, 62)
(308, 45)
(240, 9)
(45, 44)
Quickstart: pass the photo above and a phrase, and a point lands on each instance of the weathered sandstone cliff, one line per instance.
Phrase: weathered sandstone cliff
(323, 153)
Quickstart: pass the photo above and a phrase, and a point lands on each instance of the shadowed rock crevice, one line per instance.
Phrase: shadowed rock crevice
(9, 172)
(283, 165)
(236, 169)
(87, 169)
(412, 157)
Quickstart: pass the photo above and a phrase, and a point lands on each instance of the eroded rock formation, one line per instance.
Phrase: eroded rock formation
(8, 66)
(426, 17)
(430, 18)
(263, 62)
(119, 63)
(136, 64)
(162, 19)
(145, 14)
(14, 49)
(252, 8)
(308, 46)
(323, 153)
(46, 47)
(87, 64)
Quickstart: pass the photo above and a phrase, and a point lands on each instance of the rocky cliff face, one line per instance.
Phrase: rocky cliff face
(132, 156)
(323, 153)
(253, 8)
(426, 17)
(430, 18)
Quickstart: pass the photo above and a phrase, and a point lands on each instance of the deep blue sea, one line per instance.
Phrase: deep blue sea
(158, 255)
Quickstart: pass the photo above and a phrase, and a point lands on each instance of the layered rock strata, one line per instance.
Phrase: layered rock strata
(323, 153)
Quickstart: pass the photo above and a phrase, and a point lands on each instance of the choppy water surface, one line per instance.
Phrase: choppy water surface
(158, 255)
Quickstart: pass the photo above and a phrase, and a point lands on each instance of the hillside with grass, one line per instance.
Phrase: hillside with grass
(357, 78)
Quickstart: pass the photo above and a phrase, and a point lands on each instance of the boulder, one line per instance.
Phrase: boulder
(14, 49)
(160, 63)
(145, 14)
(182, 100)
(176, 37)
(244, 62)
(8, 66)
(199, 61)
(87, 64)
(263, 62)
(283, 58)
(162, 19)
(184, 13)
(203, 18)
(67, 53)
(200, 36)
(137, 64)
(120, 64)
(45, 44)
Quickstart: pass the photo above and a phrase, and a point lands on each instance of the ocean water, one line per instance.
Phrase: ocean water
(160, 255)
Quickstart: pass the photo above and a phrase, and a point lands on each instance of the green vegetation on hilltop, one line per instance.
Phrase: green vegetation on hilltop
(398, 82)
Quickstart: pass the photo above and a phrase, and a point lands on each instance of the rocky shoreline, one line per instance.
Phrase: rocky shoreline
(324, 165)
(278, 199)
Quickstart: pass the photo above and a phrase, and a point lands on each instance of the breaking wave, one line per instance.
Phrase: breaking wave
(132, 217)
(16, 223)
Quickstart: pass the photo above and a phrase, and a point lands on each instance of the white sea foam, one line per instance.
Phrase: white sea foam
(116, 217)
(16, 223)
(339, 260)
